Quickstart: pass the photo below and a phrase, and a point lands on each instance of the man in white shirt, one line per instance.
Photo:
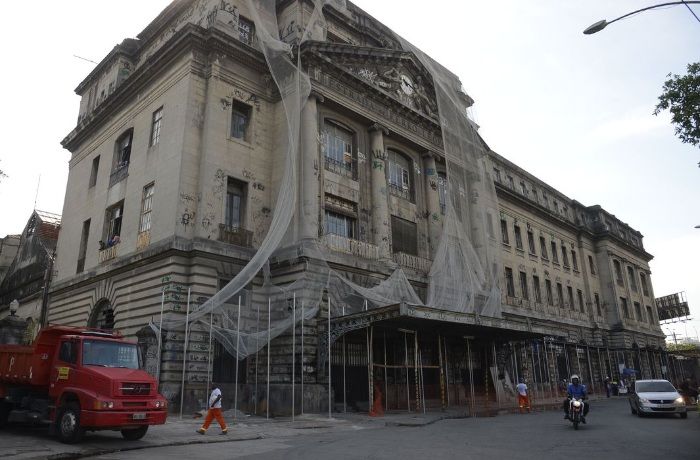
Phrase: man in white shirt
(214, 411)
(523, 400)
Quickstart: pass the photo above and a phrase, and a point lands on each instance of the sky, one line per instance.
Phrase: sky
(574, 110)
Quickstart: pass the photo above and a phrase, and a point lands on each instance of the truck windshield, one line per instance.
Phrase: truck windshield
(110, 354)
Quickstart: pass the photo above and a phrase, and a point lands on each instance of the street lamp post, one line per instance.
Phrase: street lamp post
(602, 24)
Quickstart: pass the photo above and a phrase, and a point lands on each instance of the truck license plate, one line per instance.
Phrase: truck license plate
(139, 416)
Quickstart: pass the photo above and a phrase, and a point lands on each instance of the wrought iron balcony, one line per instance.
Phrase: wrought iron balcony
(235, 235)
(119, 173)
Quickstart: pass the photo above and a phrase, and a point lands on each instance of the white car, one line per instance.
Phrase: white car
(656, 397)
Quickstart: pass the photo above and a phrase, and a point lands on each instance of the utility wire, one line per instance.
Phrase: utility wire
(691, 11)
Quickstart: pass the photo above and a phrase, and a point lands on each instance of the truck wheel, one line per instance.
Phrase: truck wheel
(135, 434)
(4, 413)
(68, 424)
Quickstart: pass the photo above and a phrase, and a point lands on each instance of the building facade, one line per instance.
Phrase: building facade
(177, 178)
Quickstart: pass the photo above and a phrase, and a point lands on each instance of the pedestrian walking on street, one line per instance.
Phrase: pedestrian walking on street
(214, 412)
(607, 386)
(523, 399)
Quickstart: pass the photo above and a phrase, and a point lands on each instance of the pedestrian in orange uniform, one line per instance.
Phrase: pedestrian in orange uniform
(214, 411)
(523, 399)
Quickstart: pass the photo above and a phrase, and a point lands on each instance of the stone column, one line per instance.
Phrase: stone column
(309, 196)
(432, 200)
(381, 228)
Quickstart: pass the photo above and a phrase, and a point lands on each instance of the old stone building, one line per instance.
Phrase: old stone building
(234, 145)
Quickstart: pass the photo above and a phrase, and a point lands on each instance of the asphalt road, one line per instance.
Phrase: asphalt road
(611, 433)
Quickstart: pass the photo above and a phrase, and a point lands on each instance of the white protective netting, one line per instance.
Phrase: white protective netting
(464, 273)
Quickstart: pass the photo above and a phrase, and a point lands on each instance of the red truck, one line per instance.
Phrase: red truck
(75, 380)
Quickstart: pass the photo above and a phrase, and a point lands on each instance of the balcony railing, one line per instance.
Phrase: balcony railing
(400, 191)
(119, 173)
(414, 262)
(341, 167)
(357, 248)
(107, 253)
(235, 235)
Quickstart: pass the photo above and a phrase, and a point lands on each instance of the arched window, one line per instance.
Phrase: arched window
(400, 175)
(102, 316)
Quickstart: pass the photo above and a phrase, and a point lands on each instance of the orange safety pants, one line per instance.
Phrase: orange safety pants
(214, 413)
(523, 402)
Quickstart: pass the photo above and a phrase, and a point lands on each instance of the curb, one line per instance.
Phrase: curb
(97, 452)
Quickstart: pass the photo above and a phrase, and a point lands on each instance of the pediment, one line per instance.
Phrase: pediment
(397, 74)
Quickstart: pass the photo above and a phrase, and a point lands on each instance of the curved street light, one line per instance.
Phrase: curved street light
(602, 24)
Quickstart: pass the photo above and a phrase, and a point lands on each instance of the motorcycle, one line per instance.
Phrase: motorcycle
(576, 412)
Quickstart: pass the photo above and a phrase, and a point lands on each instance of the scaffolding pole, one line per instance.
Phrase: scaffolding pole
(329, 354)
(386, 388)
(294, 350)
(471, 377)
(238, 354)
(302, 356)
(160, 338)
(269, 338)
(211, 324)
(257, 346)
(447, 370)
(408, 386)
(345, 399)
(184, 353)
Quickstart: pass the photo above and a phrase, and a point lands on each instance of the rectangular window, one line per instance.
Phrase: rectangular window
(579, 294)
(497, 174)
(560, 294)
(442, 198)
(638, 311)
(490, 225)
(590, 265)
(536, 289)
(518, 237)
(511, 184)
(156, 122)
(404, 236)
(146, 208)
(531, 242)
(510, 287)
(645, 288)
(633, 280)
(82, 249)
(625, 309)
(504, 232)
(122, 156)
(564, 255)
(618, 273)
(545, 200)
(240, 120)
(246, 31)
(548, 290)
(650, 315)
(574, 260)
(597, 304)
(94, 171)
(543, 248)
(400, 175)
(340, 224)
(338, 149)
(234, 214)
(555, 254)
(523, 286)
(570, 293)
(523, 188)
(113, 223)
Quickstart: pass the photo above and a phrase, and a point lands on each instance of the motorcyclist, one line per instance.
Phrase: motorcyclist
(578, 391)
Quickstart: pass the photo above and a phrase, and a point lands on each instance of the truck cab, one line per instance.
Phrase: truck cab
(77, 380)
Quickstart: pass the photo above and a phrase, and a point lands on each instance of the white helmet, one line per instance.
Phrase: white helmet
(575, 377)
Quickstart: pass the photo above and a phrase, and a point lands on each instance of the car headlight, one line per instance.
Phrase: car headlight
(577, 404)
(644, 400)
(161, 404)
(679, 401)
(104, 404)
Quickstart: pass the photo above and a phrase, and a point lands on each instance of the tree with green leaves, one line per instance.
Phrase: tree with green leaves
(681, 95)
